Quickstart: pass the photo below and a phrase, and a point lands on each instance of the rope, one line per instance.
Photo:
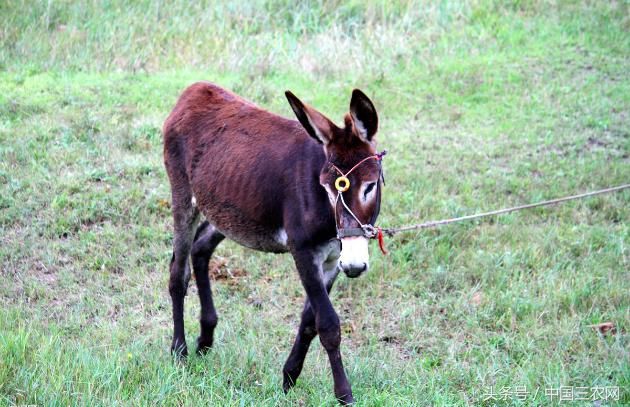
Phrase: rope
(340, 195)
(392, 231)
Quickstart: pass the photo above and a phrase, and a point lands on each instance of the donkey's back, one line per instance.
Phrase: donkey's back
(211, 122)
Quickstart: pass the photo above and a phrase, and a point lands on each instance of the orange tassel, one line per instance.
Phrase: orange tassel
(381, 242)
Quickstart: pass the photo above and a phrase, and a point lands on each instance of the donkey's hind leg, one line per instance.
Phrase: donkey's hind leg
(185, 217)
(206, 240)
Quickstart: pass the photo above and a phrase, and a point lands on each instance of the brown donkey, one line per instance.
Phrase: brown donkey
(276, 185)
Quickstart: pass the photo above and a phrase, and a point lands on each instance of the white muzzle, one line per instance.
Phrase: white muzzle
(354, 258)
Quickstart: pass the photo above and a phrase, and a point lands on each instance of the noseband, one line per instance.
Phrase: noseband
(342, 184)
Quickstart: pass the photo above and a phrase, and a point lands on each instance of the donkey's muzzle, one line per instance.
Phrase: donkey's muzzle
(353, 270)
(354, 258)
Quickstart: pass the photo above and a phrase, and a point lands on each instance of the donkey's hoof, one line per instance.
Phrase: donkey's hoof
(179, 350)
(288, 380)
(346, 399)
(203, 345)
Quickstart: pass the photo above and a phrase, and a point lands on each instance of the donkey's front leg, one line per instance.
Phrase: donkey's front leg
(309, 265)
(307, 331)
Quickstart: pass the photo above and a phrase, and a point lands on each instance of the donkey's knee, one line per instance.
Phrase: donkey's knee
(179, 273)
(178, 281)
(329, 330)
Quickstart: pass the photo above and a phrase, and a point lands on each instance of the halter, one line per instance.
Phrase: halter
(342, 184)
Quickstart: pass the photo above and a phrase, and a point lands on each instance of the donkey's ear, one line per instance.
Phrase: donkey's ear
(316, 124)
(363, 115)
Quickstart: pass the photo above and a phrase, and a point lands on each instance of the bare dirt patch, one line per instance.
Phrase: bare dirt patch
(220, 271)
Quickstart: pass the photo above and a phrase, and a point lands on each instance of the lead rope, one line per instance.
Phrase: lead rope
(392, 231)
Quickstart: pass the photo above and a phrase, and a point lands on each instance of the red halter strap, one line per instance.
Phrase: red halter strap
(377, 157)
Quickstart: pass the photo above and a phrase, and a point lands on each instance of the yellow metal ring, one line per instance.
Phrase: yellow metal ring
(342, 184)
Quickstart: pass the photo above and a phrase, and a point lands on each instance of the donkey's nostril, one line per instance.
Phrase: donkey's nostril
(353, 270)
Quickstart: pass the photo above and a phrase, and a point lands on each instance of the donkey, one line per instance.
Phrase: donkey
(306, 187)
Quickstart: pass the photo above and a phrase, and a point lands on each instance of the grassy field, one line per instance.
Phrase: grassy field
(483, 104)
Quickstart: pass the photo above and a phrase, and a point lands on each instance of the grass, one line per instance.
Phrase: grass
(483, 104)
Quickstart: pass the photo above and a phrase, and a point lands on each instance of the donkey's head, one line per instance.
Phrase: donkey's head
(351, 176)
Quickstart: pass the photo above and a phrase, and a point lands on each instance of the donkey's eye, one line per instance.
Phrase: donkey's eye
(369, 189)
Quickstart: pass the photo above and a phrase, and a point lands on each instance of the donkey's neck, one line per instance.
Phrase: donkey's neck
(308, 213)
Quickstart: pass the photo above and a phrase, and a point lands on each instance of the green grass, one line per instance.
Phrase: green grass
(483, 104)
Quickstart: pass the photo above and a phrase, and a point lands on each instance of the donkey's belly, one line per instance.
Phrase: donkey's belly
(266, 241)
(231, 222)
